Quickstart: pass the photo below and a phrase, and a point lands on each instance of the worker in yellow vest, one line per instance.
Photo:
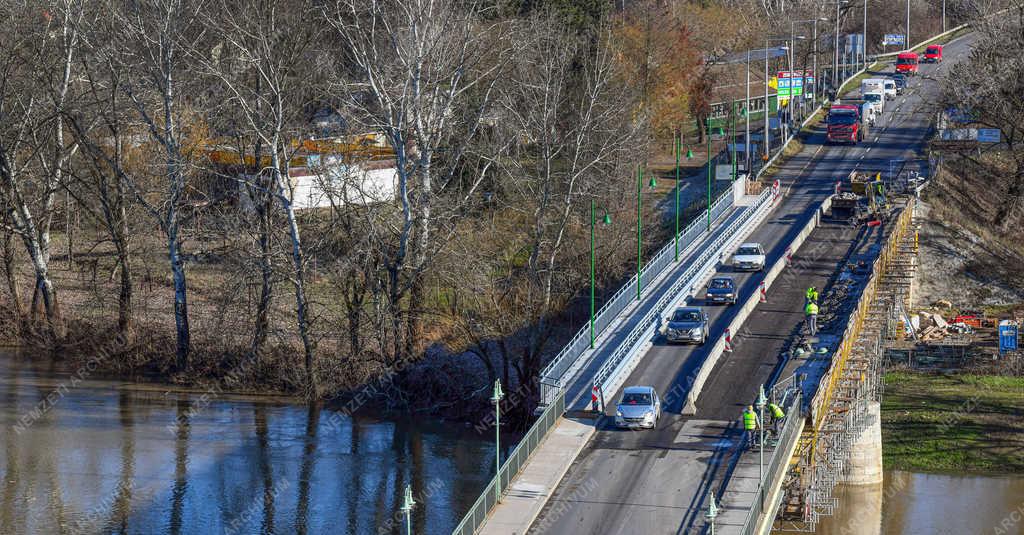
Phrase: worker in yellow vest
(777, 415)
(812, 295)
(750, 424)
(811, 310)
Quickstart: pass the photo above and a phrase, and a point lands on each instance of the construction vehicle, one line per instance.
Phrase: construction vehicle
(865, 197)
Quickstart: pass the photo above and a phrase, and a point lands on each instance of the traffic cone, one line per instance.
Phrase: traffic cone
(764, 293)
(728, 341)
(789, 256)
(839, 185)
(595, 403)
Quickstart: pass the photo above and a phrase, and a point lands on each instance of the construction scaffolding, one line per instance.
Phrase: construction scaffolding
(838, 410)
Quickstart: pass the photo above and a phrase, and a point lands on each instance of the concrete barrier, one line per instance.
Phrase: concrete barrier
(690, 407)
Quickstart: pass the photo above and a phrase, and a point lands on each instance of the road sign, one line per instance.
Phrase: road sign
(894, 39)
(989, 135)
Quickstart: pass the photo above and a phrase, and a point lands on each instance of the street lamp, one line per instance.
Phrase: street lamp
(640, 226)
(712, 514)
(606, 220)
(689, 156)
(767, 44)
(761, 402)
(835, 59)
(496, 399)
(407, 505)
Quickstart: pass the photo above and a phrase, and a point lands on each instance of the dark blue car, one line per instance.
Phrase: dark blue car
(721, 290)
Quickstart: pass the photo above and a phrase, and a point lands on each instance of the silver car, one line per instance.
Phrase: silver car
(749, 257)
(639, 407)
(687, 325)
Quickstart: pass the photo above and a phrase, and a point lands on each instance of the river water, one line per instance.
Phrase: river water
(96, 456)
(910, 503)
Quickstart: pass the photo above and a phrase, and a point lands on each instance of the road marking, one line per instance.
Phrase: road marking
(876, 139)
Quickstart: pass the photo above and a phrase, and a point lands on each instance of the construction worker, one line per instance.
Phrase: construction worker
(812, 295)
(777, 415)
(749, 425)
(880, 192)
(811, 310)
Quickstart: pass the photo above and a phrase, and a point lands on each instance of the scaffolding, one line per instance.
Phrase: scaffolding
(838, 411)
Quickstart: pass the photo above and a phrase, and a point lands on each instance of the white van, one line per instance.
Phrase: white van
(872, 84)
(890, 89)
(877, 98)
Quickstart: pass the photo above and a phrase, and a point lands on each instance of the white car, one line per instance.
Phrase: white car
(639, 407)
(749, 257)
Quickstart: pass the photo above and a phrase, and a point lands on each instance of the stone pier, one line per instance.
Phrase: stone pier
(865, 465)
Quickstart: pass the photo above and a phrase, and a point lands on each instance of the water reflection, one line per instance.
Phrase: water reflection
(910, 503)
(99, 457)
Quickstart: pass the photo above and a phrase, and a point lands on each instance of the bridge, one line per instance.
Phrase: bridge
(578, 474)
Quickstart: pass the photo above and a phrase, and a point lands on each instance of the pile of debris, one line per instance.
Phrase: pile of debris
(933, 327)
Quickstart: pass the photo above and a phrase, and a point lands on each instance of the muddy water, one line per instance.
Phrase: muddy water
(910, 503)
(101, 457)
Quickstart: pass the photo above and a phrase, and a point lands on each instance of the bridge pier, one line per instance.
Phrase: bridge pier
(865, 465)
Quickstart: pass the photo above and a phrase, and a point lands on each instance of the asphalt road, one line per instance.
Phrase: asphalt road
(656, 481)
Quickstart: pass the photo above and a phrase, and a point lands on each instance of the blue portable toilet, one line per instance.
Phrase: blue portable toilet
(1007, 336)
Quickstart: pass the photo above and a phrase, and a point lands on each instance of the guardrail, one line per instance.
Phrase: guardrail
(620, 362)
(777, 465)
(577, 352)
(477, 514)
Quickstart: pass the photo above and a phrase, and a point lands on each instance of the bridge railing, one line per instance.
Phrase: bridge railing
(556, 375)
(777, 464)
(477, 515)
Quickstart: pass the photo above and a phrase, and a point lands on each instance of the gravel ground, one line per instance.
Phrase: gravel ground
(961, 267)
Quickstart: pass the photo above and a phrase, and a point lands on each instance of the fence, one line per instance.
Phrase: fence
(777, 465)
(489, 498)
(556, 375)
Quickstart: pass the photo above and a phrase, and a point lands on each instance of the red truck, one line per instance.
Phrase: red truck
(933, 54)
(845, 124)
(906, 63)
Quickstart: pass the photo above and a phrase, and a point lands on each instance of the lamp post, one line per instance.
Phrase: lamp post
(496, 399)
(908, 41)
(761, 402)
(835, 59)
(943, 16)
(712, 514)
(708, 121)
(640, 226)
(746, 106)
(864, 38)
(607, 220)
(407, 505)
(767, 44)
(689, 156)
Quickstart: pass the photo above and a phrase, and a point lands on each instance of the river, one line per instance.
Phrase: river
(911, 503)
(94, 456)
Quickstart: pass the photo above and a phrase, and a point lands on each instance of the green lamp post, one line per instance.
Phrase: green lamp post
(689, 156)
(496, 399)
(407, 505)
(606, 220)
(640, 226)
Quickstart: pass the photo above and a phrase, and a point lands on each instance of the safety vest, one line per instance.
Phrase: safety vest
(776, 411)
(812, 308)
(749, 420)
(811, 293)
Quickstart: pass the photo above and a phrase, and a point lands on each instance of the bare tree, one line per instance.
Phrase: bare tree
(263, 65)
(155, 37)
(422, 73)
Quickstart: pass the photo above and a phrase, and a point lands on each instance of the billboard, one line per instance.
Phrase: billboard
(894, 39)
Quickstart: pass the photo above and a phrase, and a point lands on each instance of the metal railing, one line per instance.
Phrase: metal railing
(477, 514)
(645, 328)
(556, 375)
(777, 465)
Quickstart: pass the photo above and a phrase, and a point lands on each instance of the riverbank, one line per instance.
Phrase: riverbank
(959, 423)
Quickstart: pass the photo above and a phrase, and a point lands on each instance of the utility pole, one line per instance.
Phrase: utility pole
(766, 141)
(835, 58)
(746, 153)
(496, 399)
(943, 16)
(864, 38)
(761, 402)
(907, 44)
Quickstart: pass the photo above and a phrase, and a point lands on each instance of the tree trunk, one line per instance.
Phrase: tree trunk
(183, 333)
(262, 321)
(301, 306)
(13, 289)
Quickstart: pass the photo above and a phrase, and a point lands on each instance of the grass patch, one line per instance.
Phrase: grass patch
(953, 423)
(944, 39)
(855, 82)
